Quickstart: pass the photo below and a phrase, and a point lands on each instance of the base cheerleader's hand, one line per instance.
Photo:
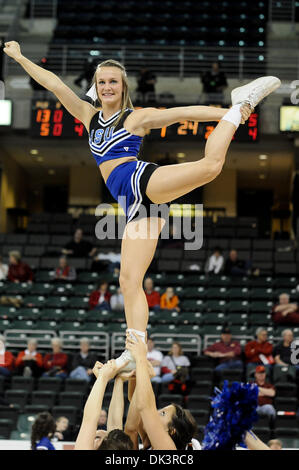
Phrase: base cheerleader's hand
(13, 50)
(245, 110)
(137, 347)
(108, 370)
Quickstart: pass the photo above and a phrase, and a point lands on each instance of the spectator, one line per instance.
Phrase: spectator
(106, 261)
(226, 350)
(7, 360)
(146, 84)
(155, 357)
(42, 431)
(152, 296)
(171, 363)
(285, 312)
(86, 75)
(215, 263)
(275, 444)
(259, 351)
(3, 270)
(214, 83)
(102, 424)
(169, 301)
(29, 362)
(117, 301)
(62, 432)
(283, 351)
(64, 272)
(78, 247)
(18, 271)
(55, 363)
(266, 394)
(236, 267)
(100, 298)
(83, 362)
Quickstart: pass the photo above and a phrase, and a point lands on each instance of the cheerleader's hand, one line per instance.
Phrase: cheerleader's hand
(13, 50)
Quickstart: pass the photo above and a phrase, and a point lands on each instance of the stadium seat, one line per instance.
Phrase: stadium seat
(240, 306)
(12, 414)
(51, 384)
(215, 306)
(201, 416)
(70, 412)
(75, 398)
(285, 389)
(214, 318)
(22, 383)
(75, 385)
(260, 319)
(236, 318)
(284, 374)
(202, 373)
(25, 422)
(201, 402)
(202, 387)
(17, 397)
(6, 426)
(167, 399)
(286, 404)
(288, 421)
(43, 397)
(231, 375)
(53, 314)
(190, 318)
(29, 314)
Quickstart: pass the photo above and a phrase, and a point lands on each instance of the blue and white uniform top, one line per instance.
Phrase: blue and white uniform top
(108, 141)
(44, 444)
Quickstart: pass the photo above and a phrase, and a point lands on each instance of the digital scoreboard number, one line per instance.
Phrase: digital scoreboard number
(50, 120)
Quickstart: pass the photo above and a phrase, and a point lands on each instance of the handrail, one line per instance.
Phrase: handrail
(241, 63)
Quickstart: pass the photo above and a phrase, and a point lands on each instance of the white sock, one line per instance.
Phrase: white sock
(137, 333)
(233, 115)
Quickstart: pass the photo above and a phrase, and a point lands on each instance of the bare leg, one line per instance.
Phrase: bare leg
(136, 256)
(172, 181)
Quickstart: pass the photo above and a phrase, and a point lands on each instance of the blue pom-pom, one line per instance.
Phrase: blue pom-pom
(234, 413)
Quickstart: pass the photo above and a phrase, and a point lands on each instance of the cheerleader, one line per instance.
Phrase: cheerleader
(115, 133)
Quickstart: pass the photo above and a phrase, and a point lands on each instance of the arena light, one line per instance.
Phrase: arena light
(263, 157)
(5, 112)
(34, 152)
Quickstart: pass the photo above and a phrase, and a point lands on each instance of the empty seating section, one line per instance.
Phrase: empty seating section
(207, 304)
(201, 24)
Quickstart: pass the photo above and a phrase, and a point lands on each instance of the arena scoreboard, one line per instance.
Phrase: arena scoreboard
(50, 120)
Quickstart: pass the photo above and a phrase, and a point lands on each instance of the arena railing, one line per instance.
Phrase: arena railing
(18, 338)
(243, 339)
(98, 341)
(240, 63)
(190, 343)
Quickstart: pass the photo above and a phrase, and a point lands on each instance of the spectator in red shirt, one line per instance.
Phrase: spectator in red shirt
(254, 349)
(152, 296)
(64, 272)
(266, 394)
(7, 360)
(227, 350)
(100, 298)
(55, 363)
(29, 362)
(18, 271)
(285, 313)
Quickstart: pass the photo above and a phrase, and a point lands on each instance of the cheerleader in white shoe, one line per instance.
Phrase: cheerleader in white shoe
(115, 133)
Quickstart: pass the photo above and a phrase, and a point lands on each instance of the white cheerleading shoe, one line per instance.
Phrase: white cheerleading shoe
(255, 91)
(123, 358)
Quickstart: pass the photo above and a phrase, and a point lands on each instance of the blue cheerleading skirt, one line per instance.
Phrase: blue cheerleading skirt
(127, 184)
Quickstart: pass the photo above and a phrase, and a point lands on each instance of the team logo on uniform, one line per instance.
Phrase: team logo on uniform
(126, 148)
